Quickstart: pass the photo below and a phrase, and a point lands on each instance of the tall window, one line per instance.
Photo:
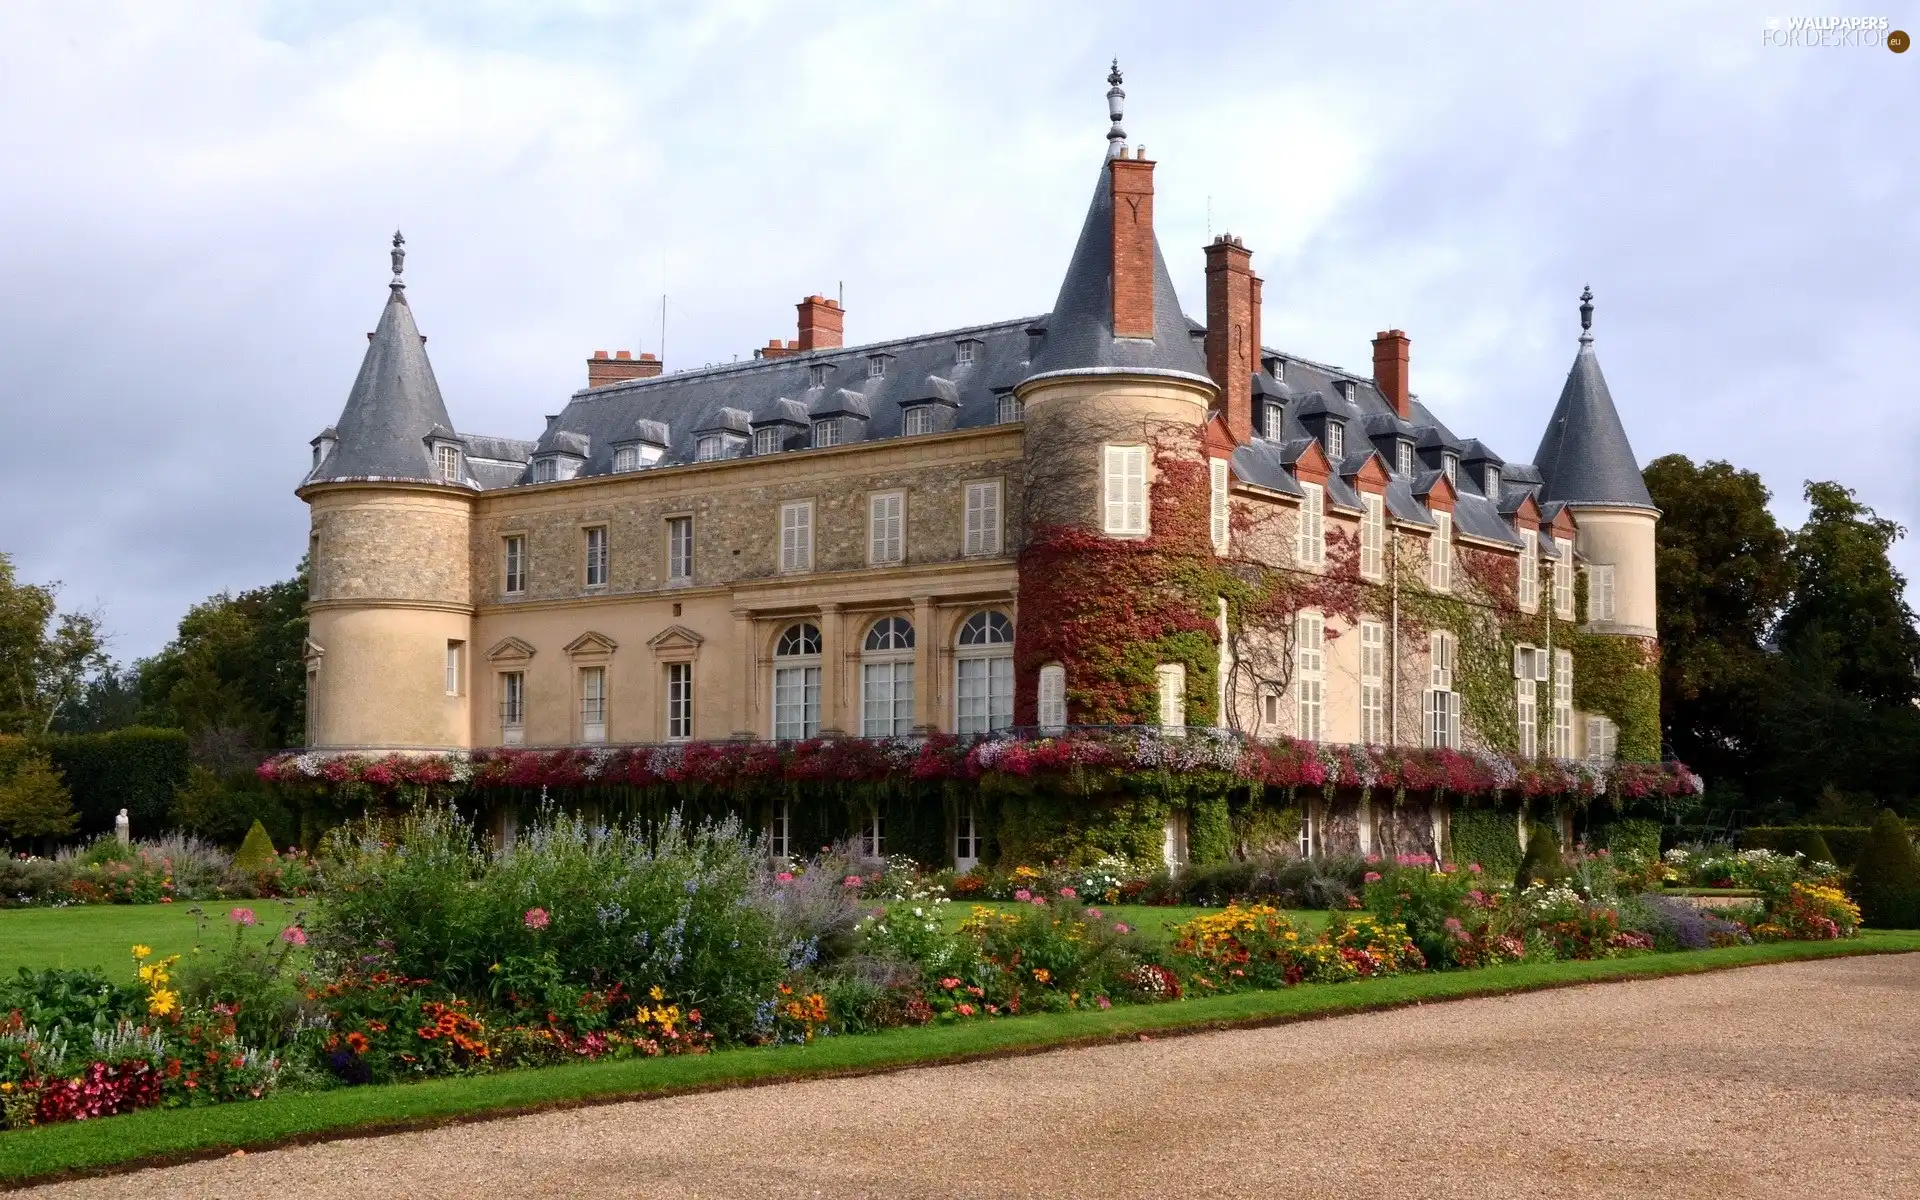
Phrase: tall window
(1006, 409)
(1491, 477)
(1450, 467)
(516, 572)
(983, 674)
(679, 701)
(1053, 698)
(1528, 591)
(983, 518)
(1441, 702)
(816, 375)
(766, 440)
(827, 432)
(597, 556)
(1563, 704)
(1171, 681)
(1440, 553)
(1563, 579)
(1269, 705)
(1603, 740)
(1276, 415)
(1527, 712)
(1403, 456)
(1373, 682)
(1600, 593)
(886, 679)
(449, 457)
(1336, 441)
(513, 708)
(886, 528)
(679, 549)
(1126, 490)
(873, 837)
(1373, 535)
(780, 829)
(1310, 540)
(967, 842)
(919, 419)
(456, 651)
(709, 448)
(965, 352)
(1217, 509)
(796, 536)
(593, 704)
(877, 367)
(796, 683)
(1309, 675)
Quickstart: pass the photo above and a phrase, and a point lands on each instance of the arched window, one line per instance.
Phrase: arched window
(983, 674)
(796, 683)
(886, 678)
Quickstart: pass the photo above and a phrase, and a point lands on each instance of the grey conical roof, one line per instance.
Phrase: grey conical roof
(1584, 457)
(1079, 331)
(394, 405)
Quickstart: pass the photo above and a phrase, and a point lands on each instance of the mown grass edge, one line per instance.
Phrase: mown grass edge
(164, 1137)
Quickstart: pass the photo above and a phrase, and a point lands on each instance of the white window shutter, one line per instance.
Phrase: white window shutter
(1217, 472)
(1053, 697)
(1429, 701)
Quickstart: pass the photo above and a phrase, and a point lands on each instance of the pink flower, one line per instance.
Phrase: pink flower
(536, 918)
(851, 881)
(1094, 913)
(1122, 927)
(965, 1010)
(1068, 892)
(293, 935)
(1023, 895)
(1103, 1002)
(949, 983)
(1474, 867)
(1373, 859)
(1040, 901)
(784, 877)
(1449, 868)
(243, 915)
(1371, 877)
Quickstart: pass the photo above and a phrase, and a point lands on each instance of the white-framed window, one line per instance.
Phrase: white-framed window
(1373, 535)
(1309, 675)
(1563, 704)
(593, 704)
(449, 458)
(1336, 441)
(873, 837)
(1269, 704)
(1126, 490)
(1053, 698)
(679, 549)
(967, 842)
(1403, 456)
(597, 556)
(766, 440)
(886, 679)
(626, 458)
(1217, 510)
(1440, 702)
(1528, 588)
(919, 419)
(456, 673)
(1603, 740)
(877, 366)
(964, 351)
(1373, 682)
(1563, 579)
(816, 375)
(1276, 419)
(780, 829)
(1527, 713)
(1450, 467)
(1310, 539)
(826, 432)
(514, 550)
(1440, 553)
(983, 517)
(796, 683)
(886, 528)
(1170, 681)
(709, 448)
(1600, 593)
(1491, 477)
(679, 701)
(1006, 410)
(1306, 831)
(513, 708)
(983, 674)
(796, 536)
(546, 470)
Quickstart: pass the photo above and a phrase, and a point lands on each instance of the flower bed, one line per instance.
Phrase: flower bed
(150, 872)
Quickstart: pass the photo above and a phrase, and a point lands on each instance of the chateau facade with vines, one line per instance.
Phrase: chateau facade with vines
(1111, 514)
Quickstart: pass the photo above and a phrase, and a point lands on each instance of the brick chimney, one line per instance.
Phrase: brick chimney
(623, 366)
(1390, 370)
(821, 323)
(1233, 322)
(1132, 180)
(775, 348)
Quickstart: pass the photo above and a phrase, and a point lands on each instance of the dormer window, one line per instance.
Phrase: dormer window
(709, 448)
(1450, 467)
(626, 458)
(1276, 415)
(767, 441)
(1007, 410)
(965, 354)
(826, 433)
(1350, 390)
(447, 459)
(546, 470)
(877, 367)
(1404, 460)
(1491, 478)
(817, 375)
(919, 419)
(1336, 438)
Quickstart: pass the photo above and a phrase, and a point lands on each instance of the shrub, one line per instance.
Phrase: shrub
(256, 853)
(1258, 946)
(1486, 836)
(136, 769)
(1809, 913)
(1542, 861)
(1887, 877)
(1675, 924)
(1811, 844)
(226, 808)
(1632, 836)
(1430, 903)
(33, 800)
(1044, 957)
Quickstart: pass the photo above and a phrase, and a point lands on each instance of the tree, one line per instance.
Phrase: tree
(233, 677)
(1722, 575)
(110, 701)
(1849, 607)
(34, 801)
(1886, 879)
(46, 656)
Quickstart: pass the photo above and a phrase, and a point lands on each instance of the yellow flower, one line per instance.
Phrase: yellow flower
(162, 1002)
(657, 993)
(142, 951)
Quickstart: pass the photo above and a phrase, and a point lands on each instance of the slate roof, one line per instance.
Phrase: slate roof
(1584, 457)
(394, 406)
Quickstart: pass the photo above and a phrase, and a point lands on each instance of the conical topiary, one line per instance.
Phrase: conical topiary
(1812, 843)
(256, 853)
(1886, 879)
(1542, 860)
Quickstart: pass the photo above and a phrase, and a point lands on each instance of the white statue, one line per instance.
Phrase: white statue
(122, 828)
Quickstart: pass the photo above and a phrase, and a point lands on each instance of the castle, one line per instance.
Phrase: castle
(832, 540)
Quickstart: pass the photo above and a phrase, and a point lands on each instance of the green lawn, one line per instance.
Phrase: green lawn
(102, 935)
(159, 1135)
(1153, 922)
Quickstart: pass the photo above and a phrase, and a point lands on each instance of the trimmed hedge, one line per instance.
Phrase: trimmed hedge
(1638, 835)
(1846, 841)
(136, 769)
(1488, 836)
(1886, 881)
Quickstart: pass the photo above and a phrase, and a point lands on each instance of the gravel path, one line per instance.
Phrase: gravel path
(1792, 1081)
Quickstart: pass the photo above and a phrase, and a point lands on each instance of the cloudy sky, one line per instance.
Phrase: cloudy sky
(195, 200)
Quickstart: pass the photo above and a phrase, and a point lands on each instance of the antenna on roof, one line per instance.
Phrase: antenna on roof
(663, 328)
(1116, 97)
(1586, 316)
(842, 301)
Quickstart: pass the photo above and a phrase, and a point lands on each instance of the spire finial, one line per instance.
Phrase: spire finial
(1116, 97)
(1586, 316)
(399, 255)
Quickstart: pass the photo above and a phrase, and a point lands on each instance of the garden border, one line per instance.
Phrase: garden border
(171, 1137)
